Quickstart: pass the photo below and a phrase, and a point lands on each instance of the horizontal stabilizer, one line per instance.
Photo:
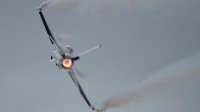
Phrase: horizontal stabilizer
(76, 58)
(52, 60)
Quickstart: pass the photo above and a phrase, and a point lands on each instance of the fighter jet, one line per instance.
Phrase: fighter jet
(63, 59)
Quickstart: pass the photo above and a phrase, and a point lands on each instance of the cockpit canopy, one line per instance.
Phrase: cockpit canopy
(69, 49)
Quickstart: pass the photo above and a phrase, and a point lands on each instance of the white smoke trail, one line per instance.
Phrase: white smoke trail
(95, 7)
(186, 70)
(102, 7)
(44, 4)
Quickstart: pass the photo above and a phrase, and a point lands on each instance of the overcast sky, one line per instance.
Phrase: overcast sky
(138, 37)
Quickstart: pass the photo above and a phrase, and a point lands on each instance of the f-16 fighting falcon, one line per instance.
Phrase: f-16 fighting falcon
(63, 59)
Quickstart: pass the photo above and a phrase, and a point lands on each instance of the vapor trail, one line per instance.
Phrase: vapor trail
(185, 70)
(91, 6)
(44, 4)
(102, 7)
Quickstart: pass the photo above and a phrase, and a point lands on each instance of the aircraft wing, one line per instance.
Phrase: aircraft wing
(72, 75)
(52, 39)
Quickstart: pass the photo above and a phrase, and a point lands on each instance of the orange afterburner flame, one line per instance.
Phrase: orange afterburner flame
(67, 63)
